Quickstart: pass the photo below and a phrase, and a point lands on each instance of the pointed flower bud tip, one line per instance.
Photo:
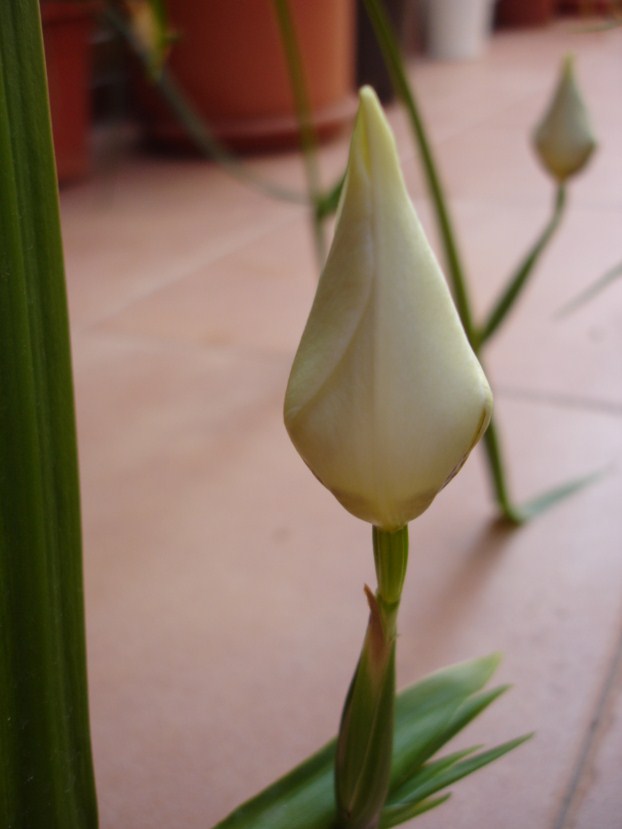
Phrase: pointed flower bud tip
(385, 398)
(564, 140)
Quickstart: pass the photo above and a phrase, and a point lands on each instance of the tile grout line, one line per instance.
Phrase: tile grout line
(561, 400)
(589, 741)
(204, 261)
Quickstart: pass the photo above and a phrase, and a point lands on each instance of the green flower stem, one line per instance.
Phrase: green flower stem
(519, 279)
(303, 113)
(365, 741)
(196, 129)
(390, 560)
(456, 271)
(46, 776)
(496, 469)
(390, 48)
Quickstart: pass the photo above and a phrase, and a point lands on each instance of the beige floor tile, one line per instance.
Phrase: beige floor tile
(149, 223)
(547, 596)
(256, 297)
(226, 585)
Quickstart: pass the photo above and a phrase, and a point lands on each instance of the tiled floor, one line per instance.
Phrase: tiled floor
(224, 586)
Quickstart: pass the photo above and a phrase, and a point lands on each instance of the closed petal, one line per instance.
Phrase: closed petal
(385, 398)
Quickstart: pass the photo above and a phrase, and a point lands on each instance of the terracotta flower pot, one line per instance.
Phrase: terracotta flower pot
(229, 61)
(525, 12)
(66, 30)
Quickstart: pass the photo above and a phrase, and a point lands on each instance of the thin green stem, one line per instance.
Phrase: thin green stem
(308, 141)
(456, 272)
(518, 280)
(391, 561)
(195, 127)
(392, 54)
(497, 473)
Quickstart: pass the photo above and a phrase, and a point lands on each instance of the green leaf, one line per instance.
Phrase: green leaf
(419, 791)
(548, 499)
(427, 772)
(593, 290)
(410, 811)
(46, 777)
(305, 797)
(431, 731)
(327, 203)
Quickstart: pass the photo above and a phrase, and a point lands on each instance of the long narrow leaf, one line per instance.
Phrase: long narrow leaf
(593, 290)
(419, 794)
(427, 734)
(305, 797)
(46, 779)
(410, 811)
(192, 123)
(548, 499)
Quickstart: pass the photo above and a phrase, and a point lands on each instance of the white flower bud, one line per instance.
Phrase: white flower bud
(564, 139)
(386, 398)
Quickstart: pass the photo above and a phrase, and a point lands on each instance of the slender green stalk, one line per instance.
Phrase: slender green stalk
(46, 777)
(195, 127)
(365, 741)
(456, 273)
(497, 474)
(390, 48)
(303, 113)
(519, 279)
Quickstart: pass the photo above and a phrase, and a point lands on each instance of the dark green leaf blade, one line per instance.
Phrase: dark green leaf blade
(46, 778)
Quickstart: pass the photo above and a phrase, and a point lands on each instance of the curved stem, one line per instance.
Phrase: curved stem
(303, 113)
(520, 277)
(395, 64)
(191, 121)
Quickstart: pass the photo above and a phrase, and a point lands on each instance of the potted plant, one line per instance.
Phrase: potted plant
(228, 60)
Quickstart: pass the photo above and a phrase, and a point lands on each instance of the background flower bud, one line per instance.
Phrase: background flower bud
(386, 398)
(564, 139)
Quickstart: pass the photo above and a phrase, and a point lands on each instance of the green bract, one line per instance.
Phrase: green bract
(385, 398)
